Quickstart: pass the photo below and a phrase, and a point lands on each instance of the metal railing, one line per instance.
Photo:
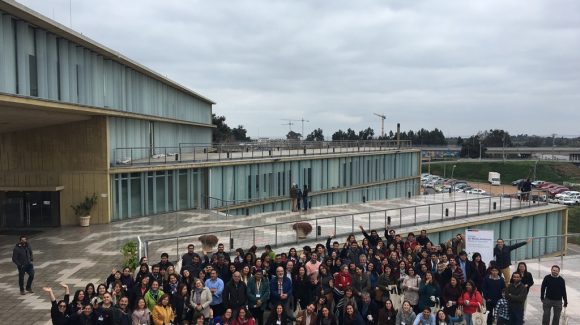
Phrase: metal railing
(281, 233)
(541, 246)
(196, 152)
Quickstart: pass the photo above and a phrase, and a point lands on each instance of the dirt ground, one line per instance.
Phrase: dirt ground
(495, 190)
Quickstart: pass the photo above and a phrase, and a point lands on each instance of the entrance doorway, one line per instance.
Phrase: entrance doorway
(29, 209)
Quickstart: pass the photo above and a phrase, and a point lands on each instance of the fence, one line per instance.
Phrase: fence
(281, 233)
(196, 152)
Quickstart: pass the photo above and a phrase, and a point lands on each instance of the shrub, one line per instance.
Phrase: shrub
(304, 226)
(84, 208)
(208, 240)
(130, 255)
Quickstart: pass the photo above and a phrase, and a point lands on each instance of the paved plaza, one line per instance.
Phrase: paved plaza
(78, 256)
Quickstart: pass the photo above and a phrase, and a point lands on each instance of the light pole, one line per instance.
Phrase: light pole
(453, 180)
(479, 149)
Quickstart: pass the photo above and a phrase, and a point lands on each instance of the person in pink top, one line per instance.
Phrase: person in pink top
(312, 265)
(471, 300)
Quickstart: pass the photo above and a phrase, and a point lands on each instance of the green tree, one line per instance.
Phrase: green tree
(240, 134)
(366, 134)
(497, 138)
(471, 146)
(222, 132)
(315, 135)
(293, 136)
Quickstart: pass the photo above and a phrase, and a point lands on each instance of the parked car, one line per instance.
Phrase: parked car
(572, 199)
(537, 183)
(518, 181)
(567, 193)
(558, 190)
(476, 191)
(546, 185)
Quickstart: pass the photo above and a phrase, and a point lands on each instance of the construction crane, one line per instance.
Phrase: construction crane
(289, 123)
(382, 123)
(301, 120)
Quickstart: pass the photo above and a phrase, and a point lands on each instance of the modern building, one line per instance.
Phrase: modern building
(78, 118)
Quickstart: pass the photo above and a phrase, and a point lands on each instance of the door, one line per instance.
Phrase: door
(29, 209)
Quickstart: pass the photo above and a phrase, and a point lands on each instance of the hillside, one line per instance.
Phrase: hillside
(477, 171)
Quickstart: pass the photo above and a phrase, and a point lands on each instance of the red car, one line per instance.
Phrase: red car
(557, 190)
(547, 185)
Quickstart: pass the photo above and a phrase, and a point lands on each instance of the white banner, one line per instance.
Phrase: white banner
(479, 241)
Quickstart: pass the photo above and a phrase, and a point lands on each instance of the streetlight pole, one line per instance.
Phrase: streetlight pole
(453, 180)
(479, 149)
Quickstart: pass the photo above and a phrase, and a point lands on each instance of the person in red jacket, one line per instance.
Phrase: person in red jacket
(470, 300)
(411, 242)
(342, 280)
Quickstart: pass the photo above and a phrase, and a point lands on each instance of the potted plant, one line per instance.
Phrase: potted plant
(302, 229)
(84, 208)
(208, 242)
(130, 252)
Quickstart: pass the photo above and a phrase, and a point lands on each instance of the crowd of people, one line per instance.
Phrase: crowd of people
(375, 281)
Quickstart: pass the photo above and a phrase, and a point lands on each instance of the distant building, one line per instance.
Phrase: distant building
(78, 118)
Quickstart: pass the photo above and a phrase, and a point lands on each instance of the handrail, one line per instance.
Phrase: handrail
(441, 213)
(542, 237)
(197, 152)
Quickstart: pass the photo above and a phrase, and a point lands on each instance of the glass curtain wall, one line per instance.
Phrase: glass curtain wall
(148, 193)
(244, 183)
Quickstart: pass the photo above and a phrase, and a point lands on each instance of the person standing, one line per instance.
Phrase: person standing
(552, 293)
(516, 296)
(294, 197)
(22, 257)
(503, 259)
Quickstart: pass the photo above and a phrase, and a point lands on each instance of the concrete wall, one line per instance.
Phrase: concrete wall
(72, 155)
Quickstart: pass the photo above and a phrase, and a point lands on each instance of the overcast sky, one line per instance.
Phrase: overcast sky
(461, 66)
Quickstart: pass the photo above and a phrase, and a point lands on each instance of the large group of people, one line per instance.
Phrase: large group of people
(374, 281)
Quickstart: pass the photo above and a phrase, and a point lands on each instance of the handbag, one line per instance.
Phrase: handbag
(478, 318)
(396, 298)
(436, 306)
(563, 317)
(297, 311)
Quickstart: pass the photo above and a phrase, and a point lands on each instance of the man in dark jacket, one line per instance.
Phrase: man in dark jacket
(234, 294)
(552, 293)
(22, 257)
(503, 258)
(516, 295)
(373, 238)
(368, 309)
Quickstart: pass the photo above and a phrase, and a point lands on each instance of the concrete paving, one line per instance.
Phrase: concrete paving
(78, 256)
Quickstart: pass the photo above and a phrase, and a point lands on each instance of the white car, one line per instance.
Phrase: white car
(566, 193)
(569, 199)
(476, 191)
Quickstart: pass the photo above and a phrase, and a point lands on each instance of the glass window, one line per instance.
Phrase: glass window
(183, 190)
(160, 194)
(135, 198)
(150, 194)
(123, 199)
(170, 205)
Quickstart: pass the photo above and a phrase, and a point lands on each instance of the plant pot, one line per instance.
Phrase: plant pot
(206, 247)
(85, 221)
(300, 233)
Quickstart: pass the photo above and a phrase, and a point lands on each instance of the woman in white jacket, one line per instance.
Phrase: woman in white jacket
(200, 299)
(411, 284)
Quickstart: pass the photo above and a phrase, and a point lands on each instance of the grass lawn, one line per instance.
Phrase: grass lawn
(477, 171)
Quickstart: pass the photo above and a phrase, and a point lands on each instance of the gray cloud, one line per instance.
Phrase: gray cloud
(461, 66)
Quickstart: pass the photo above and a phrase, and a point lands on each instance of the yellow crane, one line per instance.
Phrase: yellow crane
(383, 117)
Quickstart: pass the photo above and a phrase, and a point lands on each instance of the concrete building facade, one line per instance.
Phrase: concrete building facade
(74, 112)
